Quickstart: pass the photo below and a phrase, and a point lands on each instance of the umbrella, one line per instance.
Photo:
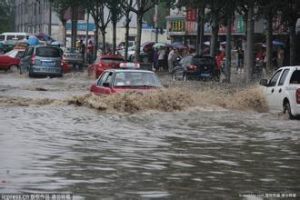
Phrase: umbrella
(191, 46)
(44, 37)
(147, 46)
(33, 41)
(178, 45)
(160, 44)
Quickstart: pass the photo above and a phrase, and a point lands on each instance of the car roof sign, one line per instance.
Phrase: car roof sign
(129, 65)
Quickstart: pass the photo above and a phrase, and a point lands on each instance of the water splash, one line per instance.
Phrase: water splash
(166, 100)
(176, 99)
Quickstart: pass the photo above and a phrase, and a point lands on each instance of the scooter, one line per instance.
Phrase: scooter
(178, 72)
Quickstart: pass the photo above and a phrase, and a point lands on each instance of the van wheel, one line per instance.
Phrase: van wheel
(287, 110)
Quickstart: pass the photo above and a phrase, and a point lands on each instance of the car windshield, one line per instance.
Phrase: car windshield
(295, 79)
(47, 52)
(112, 60)
(136, 79)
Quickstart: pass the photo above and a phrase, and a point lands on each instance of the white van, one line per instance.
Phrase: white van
(12, 36)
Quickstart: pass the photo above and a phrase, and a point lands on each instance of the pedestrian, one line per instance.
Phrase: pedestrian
(240, 54)
(171, 56)
(82, 51)
(165, 62)
(155, 59)
(280, 57)
(161, 56)
(90, 51)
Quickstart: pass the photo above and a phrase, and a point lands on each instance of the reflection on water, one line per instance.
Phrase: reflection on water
(203, 152)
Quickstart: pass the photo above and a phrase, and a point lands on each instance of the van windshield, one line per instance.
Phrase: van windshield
(47, 52)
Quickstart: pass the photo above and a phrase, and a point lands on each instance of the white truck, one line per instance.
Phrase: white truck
(282, 91)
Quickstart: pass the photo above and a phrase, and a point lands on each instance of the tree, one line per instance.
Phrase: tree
(290, 11)
(60, 7)
(215, 16)
(97, 8)
(229, 12)
(115, 8)
(140, 7)
(126, 11)
(200, 6)
(268, 9)
(6, 12)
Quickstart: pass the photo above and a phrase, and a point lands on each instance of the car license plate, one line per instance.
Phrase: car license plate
(49, 69)
(205, 75)
(48, 63)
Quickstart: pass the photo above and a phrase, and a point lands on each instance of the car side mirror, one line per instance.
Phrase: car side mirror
(106, 84)
(263, 82)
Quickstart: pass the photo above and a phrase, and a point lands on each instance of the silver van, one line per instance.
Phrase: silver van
(42, 61)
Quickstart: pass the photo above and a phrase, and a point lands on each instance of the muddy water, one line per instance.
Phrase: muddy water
(190, 142)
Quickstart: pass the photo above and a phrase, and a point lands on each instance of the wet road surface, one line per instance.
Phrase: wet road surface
(201, 152)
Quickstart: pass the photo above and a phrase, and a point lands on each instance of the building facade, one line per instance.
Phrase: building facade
(33, 16)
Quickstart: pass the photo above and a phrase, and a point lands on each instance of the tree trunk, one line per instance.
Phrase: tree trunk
(292, 35)
(127, 35)
(214, 38)
(138, 37)
(64, 33)
(96, 42)
(249, 49)
(269, 44)
(103, 40)
(228, 49)
(200, 29)
(114, 24)
(74, 11)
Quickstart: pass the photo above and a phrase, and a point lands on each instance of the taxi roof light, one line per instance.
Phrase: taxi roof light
(129, 65)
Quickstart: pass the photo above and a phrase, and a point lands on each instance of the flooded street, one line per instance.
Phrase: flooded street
(197, 145)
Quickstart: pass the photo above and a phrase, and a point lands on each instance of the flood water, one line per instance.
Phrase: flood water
(196, 145)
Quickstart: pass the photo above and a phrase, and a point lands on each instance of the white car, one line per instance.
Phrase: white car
(283, 91)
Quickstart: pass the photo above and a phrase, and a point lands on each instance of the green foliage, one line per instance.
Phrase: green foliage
(6, 12)
(163, 11)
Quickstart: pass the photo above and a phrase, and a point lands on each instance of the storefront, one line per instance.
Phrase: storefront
(184, 28)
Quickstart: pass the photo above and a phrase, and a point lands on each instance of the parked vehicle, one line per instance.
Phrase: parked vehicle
(72, 59)
(125, 80)
(42, 61)
(4, 37)
(195, 67)
(282, 91)
(11, 59)
(104, 62)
